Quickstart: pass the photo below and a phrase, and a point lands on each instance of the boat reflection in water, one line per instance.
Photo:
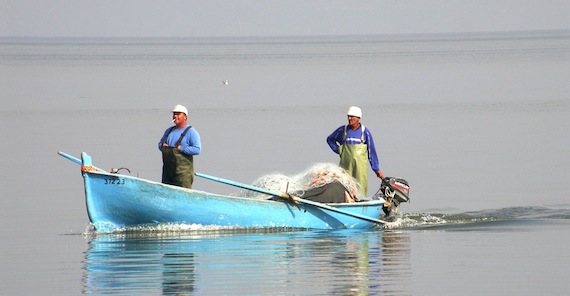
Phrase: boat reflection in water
(257, 262)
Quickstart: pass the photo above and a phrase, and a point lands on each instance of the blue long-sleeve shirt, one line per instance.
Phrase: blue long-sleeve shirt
(353, 137)
(190, 145)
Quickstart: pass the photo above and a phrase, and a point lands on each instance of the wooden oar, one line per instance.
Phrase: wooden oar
(294, 198)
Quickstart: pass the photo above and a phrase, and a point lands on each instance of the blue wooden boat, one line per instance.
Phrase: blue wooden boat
(117, 202)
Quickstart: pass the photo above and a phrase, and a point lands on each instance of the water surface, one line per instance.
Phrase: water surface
(478, 124)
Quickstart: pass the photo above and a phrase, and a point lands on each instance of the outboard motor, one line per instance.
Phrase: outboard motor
(394, 191)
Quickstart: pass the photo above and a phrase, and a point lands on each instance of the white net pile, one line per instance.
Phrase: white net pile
(316, 176)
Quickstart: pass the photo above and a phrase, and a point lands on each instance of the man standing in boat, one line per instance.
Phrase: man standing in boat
(179, 144)
(355, 145)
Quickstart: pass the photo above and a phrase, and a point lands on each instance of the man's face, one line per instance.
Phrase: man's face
(353, 120)
(178, 118)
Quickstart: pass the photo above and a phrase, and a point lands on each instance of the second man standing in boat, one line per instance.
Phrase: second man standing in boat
(179, 144)
(355, 145)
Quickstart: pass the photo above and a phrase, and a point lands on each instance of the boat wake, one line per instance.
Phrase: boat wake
(431, 220)
(169, 229)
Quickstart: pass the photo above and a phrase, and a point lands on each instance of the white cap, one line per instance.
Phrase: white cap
(180, 108)
(355, 111)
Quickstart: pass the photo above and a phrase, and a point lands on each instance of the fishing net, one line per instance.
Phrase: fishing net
(316, 176)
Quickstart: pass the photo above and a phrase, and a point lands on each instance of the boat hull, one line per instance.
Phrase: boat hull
(120, 202)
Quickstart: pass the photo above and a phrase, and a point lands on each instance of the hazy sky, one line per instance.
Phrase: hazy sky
(136, 18)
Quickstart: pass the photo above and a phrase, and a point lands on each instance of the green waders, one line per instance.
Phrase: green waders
(354, 159)
(177, 167)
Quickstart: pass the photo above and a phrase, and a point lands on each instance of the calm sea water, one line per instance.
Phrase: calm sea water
(478, 124)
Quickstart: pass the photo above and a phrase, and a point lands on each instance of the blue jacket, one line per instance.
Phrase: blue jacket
(353, 137)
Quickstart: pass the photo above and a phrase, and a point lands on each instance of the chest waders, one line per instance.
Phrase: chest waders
(354, 159)
(177, 167)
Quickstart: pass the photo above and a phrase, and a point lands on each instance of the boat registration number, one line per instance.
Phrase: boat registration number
(114, 181)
